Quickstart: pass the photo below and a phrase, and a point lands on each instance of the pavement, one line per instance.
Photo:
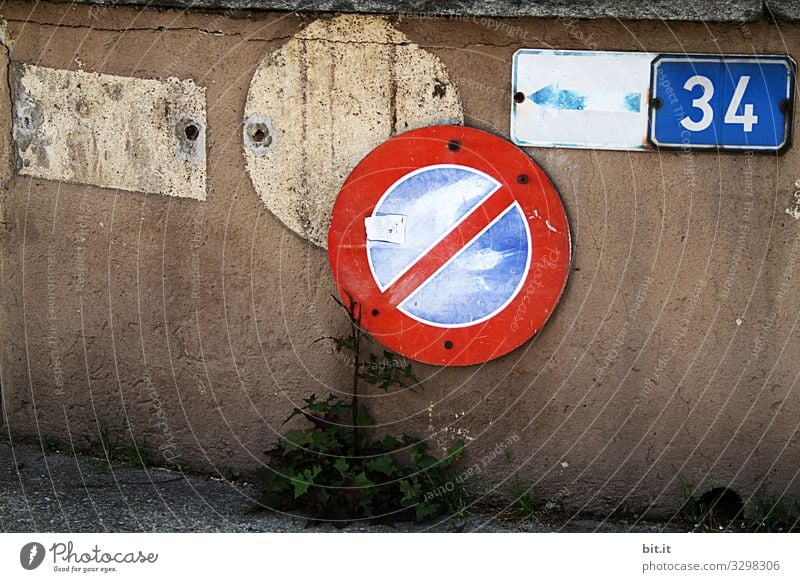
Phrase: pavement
(58, 492)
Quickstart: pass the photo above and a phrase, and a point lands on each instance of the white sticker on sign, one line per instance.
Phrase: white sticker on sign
(580, 99)
(389, 228)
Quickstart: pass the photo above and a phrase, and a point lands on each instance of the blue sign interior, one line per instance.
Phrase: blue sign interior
(736, 103)
(480, 278)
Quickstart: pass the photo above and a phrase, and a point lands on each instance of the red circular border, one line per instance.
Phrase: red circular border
(523, 317)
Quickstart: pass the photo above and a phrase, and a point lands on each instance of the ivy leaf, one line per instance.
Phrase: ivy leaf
(363, 418)
(341, 465)
(426, 462)
(362, 480)
(389, 443)
(302, 481)
(418, 451)
(294, 440)
(300, 486)
(410, 490)
(383, 464)
(454, 453)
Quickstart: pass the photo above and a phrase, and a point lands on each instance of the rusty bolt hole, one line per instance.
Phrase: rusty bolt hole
(191, 131)
(259, 133)
(519, 97)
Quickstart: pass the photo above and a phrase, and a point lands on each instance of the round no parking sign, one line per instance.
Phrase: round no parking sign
(453, 244)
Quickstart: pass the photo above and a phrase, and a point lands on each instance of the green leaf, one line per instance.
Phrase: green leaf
(418, 451)
(362, 480)
(384, 464)
(410, 490)
(363, 418)
(456, 451)
(388, 443)
(295, 439)
(341, 465)
(302, 481)
(425, 462)
(300, 486)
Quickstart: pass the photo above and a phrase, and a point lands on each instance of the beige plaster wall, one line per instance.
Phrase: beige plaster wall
(673, 352)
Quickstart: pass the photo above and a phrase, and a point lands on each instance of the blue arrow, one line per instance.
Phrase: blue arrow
(553, 97)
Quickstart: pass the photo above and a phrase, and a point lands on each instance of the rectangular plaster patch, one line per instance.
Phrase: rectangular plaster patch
(141, 135)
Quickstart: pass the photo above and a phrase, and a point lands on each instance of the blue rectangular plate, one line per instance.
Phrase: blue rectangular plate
(722, 102)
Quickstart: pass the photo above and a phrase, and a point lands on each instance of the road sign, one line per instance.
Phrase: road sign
(453, 243)
(721, 102)
(580, 99)
(635, 101)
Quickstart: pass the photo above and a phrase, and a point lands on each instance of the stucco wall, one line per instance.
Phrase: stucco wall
(670, 357)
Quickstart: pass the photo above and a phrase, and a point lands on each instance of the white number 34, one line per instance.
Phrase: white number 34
(747, 119)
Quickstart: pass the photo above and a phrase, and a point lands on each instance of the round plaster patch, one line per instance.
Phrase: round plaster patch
(325, 99)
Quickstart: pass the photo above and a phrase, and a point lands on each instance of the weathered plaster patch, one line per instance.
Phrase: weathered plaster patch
(5, 40)
(6, 147)
(331, 94)
(449, 434)
(794, 209)
(141, 135)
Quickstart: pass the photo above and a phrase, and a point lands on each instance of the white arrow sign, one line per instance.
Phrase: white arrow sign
(580, 99)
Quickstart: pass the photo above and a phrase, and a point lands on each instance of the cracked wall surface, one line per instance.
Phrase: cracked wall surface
(6, 152)
(195, 324)
(700, 10)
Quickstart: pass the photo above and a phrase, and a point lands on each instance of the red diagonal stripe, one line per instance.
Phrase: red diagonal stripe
(453, 242)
